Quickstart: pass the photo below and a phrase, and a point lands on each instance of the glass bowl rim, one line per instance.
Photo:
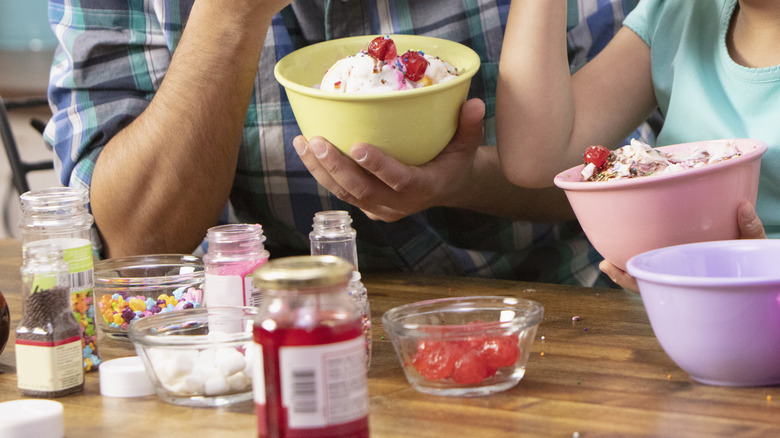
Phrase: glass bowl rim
(106, 270)
(140, 331)
(529, 313)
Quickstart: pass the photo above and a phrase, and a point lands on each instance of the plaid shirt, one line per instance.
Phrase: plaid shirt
(114, 54)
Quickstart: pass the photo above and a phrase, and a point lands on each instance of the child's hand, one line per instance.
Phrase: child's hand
(750, 227)
(619, 276)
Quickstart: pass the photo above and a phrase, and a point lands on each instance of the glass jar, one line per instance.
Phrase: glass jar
(308, 334)
(234, 252)
(48, 339)
(60, 214)
(332, 234)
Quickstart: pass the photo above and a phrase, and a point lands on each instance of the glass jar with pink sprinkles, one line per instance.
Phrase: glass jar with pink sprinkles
(234, 252)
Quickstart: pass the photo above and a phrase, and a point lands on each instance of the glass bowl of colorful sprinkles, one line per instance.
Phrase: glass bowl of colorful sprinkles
(135, 287)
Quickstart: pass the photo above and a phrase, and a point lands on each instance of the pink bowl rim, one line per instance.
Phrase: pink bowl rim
(751, 149)
(636, 268)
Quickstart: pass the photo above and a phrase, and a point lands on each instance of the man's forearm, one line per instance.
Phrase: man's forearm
(163, 180)
(493, 194)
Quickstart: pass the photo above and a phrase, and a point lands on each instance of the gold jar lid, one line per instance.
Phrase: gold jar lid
(301, 272)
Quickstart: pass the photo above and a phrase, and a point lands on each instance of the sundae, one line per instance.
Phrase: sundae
(639, 159)
(379, 68)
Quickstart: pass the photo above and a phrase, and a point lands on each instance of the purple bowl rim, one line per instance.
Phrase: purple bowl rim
(760, 147)
(641, 274)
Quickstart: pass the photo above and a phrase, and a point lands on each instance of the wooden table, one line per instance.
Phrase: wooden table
(602, 373)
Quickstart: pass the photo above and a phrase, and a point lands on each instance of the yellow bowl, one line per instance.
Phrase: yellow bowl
(412, 126)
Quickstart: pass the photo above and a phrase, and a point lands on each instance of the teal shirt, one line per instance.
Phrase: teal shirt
(704, 94)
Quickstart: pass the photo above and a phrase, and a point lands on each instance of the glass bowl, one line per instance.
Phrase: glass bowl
(469, 346)
(198, 357)
(135, 287)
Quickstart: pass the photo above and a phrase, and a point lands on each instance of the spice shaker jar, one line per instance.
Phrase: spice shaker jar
(332, 234)
(308, 334)
(234, 252)
(60, 214)
(48, 340)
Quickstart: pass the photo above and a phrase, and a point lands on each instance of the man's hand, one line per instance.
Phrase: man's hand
(750, 227)
(388, 190)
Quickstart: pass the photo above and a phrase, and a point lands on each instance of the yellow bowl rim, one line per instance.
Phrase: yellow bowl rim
(384, 95)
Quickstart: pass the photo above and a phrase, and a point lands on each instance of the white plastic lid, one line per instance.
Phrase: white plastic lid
(124, 377)
(32, 418)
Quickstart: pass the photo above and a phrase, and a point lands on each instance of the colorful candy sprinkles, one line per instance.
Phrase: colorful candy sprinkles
(120, 309)
(84, 312)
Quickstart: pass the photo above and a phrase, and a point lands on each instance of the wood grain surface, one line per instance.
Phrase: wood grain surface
(596, 369)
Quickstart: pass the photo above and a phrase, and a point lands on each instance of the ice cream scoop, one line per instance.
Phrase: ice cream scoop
(639, 159)
(380, 69)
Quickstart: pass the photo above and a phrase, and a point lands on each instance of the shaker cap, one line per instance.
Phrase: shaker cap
(32, 418)
(125, 377)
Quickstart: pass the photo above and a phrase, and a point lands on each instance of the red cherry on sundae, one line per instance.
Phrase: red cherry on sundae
(596, 155)
(416, 64)
(382, 48)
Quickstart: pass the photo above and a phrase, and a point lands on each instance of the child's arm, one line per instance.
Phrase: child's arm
(546, 117)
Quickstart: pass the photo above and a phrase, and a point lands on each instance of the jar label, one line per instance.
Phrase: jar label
(255, 351)
(224, 290)
(78, 255)
(324, 385)
(80, 260)
(49, 366)
(231, 290)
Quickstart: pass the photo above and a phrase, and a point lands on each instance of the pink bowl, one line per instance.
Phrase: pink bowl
(715, 308)
(622, 218)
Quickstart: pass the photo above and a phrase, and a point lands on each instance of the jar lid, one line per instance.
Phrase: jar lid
(33, 418)
(124, 377)
(300, 272)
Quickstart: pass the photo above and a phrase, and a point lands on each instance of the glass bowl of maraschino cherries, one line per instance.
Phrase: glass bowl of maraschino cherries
(470, 346)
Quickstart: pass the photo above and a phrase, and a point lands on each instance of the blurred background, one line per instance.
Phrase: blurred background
(27, 45)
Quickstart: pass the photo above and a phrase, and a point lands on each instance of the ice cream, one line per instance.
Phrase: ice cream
(379, 68)
(639, 159)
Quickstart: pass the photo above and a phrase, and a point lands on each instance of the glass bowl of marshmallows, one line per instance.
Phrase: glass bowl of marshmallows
(198, 357)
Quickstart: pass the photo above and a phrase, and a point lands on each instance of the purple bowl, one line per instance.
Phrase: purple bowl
(715, 308)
